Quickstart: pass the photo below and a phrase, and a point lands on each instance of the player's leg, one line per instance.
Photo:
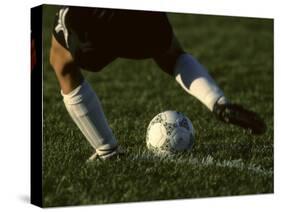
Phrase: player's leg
(81, 102)
(190, 74)
(195, 80)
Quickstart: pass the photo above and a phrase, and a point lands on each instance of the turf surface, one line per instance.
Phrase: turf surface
(224, 161)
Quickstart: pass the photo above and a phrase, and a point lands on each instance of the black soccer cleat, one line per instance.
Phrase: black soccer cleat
(237, 115)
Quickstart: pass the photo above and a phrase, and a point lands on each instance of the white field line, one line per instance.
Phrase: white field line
(206, 161)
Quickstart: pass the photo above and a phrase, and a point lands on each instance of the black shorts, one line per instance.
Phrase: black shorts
(96, 36)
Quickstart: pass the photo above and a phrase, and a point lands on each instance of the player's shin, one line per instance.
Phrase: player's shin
(194, 79)
(85, 109)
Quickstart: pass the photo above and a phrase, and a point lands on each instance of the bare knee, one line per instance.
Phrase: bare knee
(168, 59)
(67, 72)
(60, 59)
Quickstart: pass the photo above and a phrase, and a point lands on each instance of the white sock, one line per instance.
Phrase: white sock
(195, 80)
(85, 109)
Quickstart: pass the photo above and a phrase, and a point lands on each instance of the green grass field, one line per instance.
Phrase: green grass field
(225, 160)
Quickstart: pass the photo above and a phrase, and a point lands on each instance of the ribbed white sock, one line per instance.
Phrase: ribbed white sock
(84, 108)
(195, 80)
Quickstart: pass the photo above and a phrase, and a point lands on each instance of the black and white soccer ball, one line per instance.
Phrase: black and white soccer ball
(170, 132)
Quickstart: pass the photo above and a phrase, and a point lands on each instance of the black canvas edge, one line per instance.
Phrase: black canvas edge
(36, 108)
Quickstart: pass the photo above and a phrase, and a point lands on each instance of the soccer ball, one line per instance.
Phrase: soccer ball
(170, 132)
